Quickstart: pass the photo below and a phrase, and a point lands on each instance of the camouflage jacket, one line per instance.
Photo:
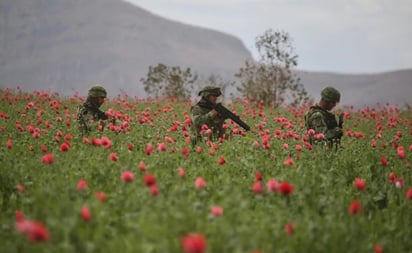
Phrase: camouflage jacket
(201, 115)
(323, 121)
(87, 113)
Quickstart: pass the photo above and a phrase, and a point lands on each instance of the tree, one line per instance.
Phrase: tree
(170, 82)
(271, 79)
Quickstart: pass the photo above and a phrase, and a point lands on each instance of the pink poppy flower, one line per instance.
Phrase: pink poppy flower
(82, 185)
(216, 211)
(85, 213)
(161, 146)
(200, 183)
(289, 161)
(257, 187)
(182, 172)
(113, 156)
(272, 185)
(199, 149)
(127, 176)
(9, 144)
(401, 152)
(154, 190)
(142, 166)
(149, 149)
(48, 158)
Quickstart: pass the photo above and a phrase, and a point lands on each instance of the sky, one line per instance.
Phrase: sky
(343, 36)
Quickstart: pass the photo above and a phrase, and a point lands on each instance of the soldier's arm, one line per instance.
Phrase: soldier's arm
(83, 126)
(317, 122)
(199, 117)
(101, 114)
(335, 133)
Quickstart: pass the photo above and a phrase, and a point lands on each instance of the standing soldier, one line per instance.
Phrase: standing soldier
(90, 111)
(205, 118)
(321, 120)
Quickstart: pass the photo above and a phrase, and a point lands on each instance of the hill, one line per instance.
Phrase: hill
(68, 45)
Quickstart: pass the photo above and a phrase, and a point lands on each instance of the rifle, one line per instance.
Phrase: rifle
(227, 114)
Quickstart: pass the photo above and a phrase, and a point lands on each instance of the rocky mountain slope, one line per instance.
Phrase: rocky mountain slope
(68, 45)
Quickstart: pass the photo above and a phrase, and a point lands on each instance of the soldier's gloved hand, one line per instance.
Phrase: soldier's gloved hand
(338, 132)
(213, 113)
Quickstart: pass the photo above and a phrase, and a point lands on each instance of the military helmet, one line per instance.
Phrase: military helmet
(97, 91)
(210, 90)
(330, 94)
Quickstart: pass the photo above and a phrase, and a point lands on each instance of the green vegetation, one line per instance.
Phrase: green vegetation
(150, 205)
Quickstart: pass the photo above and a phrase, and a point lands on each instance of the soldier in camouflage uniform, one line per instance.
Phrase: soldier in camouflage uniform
(89, 111)
(203, 114)
(321, 120)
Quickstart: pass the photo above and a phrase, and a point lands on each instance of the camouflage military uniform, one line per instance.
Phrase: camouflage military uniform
(89, 111)
(321, 120)
(201, 114)
(324, 122)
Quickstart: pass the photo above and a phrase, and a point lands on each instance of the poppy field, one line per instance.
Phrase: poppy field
(138, 185)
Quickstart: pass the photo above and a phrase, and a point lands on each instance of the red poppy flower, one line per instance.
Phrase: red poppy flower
(285, 188)
(193, 243)
(409, 194)
(355, 207)
(149, 180)
(290, 227)
(359, 183)
(378, 249)
(81, 185)
(101, 196)
(221, 160)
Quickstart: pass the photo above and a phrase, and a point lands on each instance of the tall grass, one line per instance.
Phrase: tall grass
(134, 217)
